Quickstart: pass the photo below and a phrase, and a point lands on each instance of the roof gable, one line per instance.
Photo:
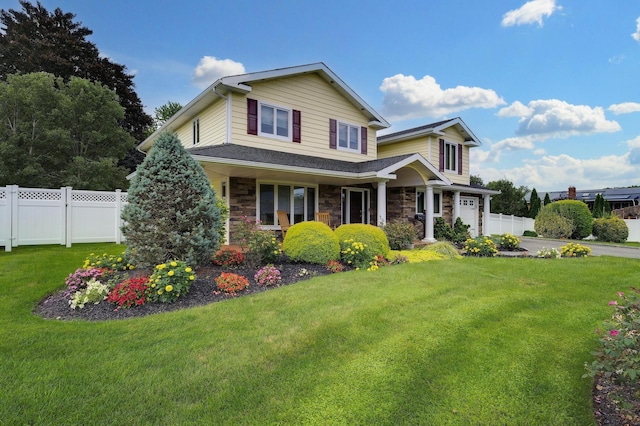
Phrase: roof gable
(438, 128)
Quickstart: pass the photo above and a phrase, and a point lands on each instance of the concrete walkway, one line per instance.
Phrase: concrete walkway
(535, 244)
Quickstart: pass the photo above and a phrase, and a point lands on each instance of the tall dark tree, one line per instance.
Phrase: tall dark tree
(534, 204)
(510, 200)
(475, 180)
(547, 199)
(34, 39)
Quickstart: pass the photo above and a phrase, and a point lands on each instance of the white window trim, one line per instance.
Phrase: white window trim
(424, 191)
(455, 157)
(344, 123)
(367, 207)
(291, 199)
(274, 135)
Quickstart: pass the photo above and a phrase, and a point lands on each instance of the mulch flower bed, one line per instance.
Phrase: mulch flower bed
(202, 292)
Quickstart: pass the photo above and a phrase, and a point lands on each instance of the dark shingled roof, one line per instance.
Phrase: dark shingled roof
(267, 156)
(415, 129)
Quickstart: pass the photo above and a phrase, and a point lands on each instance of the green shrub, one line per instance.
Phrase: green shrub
(441, 230)
(172, 211)
(444, 248)
(400, 234)
(260, 245)
(579, 214)
(611, 229)
(372, 236)
(551, 225)
(460, 231)
(312, 242)
(529, 234)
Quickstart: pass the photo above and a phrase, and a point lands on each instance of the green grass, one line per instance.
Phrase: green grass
(469, 341)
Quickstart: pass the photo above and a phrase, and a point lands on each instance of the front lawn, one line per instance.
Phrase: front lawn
(467, 341)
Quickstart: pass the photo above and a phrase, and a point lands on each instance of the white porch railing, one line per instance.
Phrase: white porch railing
(31, 216)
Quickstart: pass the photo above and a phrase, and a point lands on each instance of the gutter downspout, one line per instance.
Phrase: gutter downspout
(227, 184)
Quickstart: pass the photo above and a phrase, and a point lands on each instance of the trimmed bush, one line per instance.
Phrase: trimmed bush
(400, 234)
(372, 236)
(576, 211)
(611, 229)
(312, 242)
(551, 225)
(460, 231)
(529, 234)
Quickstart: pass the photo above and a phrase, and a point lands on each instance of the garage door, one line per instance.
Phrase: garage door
(469, 213)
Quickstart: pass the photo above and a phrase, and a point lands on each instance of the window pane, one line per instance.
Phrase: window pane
(343, 134)
(283, 123)
(436, 203)
(298, 204)
(353, 137)
(284, 199)
(420, 202)
(266, 204)
(311, 204)
(266, 119)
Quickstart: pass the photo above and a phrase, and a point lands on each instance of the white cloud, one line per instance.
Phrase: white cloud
(554, 118)
(616, 59)
(531, 12)
(406, 98)
(625, 108)
(634, 143)
(211, 68)
(636, 35)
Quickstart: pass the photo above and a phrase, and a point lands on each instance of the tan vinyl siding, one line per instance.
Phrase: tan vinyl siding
(431, 152)
(317, 101)
(213, 126)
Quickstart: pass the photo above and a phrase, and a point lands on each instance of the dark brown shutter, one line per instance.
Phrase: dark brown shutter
(252, 116)
(296, 126)
(363, 140)
(441, 167)
(333, 134)
(459, 158)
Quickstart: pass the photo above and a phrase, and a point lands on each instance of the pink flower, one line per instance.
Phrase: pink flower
(620, 294)
(613, 303)
(614, 332)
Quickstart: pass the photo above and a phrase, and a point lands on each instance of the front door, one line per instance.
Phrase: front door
(469, 213)
(355, 205)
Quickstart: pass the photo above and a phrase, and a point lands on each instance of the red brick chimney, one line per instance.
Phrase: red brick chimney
(572, 192)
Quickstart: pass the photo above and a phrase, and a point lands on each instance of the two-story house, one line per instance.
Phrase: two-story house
(300, 140)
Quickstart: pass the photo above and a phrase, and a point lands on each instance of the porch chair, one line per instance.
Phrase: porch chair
(324, 217)
(283, 220)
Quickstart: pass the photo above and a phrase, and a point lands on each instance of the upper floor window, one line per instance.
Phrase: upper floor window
(196, 130)
(275, 122)
(450, 157)
(348, 137)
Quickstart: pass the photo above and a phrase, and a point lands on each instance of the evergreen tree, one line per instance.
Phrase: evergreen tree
(172, 211)
(36, 40)
(598, 206)
(547, 199)
(534, 204)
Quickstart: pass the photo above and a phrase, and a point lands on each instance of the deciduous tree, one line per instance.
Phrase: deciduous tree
(510, 200)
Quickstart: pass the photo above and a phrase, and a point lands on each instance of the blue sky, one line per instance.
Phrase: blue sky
(550, 87)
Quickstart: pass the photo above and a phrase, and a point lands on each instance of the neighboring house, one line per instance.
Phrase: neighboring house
(618, 198)
(300, 140)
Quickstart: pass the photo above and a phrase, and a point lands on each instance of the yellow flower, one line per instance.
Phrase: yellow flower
(161, 266)
(153, 285)
(170, 273)
(191, 277)
(119, 259)
(187, 269)
(159, 291)
(174, 264)
(169, 288)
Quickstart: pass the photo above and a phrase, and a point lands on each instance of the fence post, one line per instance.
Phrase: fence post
(118, 212)
(15, 190)
(67, 200)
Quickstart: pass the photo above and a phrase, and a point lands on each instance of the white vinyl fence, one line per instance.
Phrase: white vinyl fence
(30, 216)
(500, 224)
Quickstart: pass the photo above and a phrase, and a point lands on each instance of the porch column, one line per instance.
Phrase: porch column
(456, 206)
(382, 202)
(485, 214)
(428, 217)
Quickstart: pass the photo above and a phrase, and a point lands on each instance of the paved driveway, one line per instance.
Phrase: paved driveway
(535, 244)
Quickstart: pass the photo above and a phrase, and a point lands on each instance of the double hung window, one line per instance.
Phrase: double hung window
(275, 122)
(451, 157)
(298, 201)
(348, 137)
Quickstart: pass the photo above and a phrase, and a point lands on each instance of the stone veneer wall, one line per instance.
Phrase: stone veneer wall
(329, 200)
(242, 201)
